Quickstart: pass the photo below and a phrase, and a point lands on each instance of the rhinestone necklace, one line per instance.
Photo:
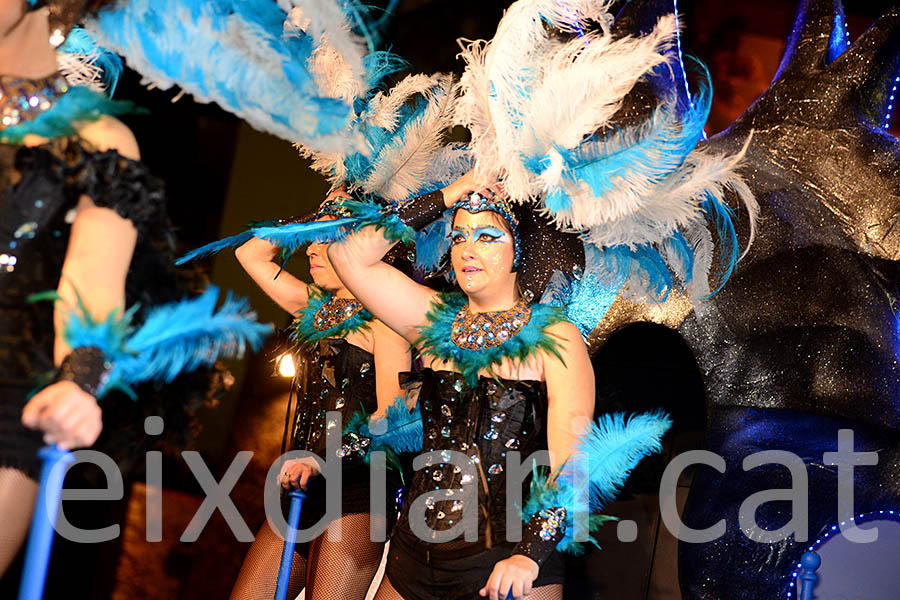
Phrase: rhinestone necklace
(335, 312)
(477, 331)
(26, 99)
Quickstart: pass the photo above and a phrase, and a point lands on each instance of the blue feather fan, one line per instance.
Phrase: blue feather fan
(604, 458)
(174, 338)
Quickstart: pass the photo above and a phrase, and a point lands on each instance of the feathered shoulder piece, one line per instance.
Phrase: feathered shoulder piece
(437, 337)
(587, 118)
(292, 68)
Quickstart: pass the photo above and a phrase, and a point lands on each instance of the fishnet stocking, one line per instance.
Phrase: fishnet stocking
(259, 573)
(17, 496)
(546, 592)
(344, 570)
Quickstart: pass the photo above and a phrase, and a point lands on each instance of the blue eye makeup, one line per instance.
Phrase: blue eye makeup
(490, 235)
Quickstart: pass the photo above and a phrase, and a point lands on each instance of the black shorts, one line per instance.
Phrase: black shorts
(422, 571)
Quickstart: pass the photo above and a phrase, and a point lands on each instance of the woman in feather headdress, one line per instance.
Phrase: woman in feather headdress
(82, 215)
(602, 195)
(347, 362)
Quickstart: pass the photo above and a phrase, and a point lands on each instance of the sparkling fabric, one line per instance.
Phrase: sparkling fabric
(802, 340)
(476, 331)
(87, 367)
(335, 376)
(484, 423)
(542, 533)
(39, 190)
(25, 99)
(334, 312)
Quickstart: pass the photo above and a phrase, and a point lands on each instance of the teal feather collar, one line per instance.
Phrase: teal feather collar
(435, 338)
(77, 106)
(304, 330)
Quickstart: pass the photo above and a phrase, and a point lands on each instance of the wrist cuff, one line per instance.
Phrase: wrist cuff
(87, 367)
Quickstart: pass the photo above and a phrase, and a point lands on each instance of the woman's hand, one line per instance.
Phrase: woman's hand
(68, 416)
(512, 575)
(467, 184)
(296, 473)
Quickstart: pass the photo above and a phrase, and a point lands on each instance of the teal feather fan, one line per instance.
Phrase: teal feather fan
(604, 457)
(435, 338)
(174, 338)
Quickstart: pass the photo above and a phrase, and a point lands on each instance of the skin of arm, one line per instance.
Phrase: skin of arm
(98, 256)
(570, 390)
(256, 257)
(395, 299)
(357, 262)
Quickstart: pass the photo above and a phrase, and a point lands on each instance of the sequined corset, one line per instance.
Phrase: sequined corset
(484, 423)
(39, 190)
(334, 376)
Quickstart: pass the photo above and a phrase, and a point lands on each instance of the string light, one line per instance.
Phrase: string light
(890, 107)
(834, 530)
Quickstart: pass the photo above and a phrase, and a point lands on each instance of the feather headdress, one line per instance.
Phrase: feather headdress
(561, 107)
(290, 68)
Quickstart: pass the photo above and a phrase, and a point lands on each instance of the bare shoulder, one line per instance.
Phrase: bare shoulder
(108, 133)
(567, 335)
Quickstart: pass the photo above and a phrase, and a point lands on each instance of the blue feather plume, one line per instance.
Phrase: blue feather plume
(80, 42)
(234, 53)
(79, 105)
(604, 457)
(433, 244)
(288, 237)
(174, 338)
(648, 153)
(400, 429)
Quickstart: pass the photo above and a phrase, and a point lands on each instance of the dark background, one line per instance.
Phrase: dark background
(221, 174)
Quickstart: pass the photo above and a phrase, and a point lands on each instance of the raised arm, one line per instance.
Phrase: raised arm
(257, 257)
(395, 299)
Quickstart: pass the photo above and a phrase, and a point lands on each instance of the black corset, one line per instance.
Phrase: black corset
(484, 423)
(333, 376)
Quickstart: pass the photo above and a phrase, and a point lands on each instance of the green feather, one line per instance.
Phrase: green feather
(435, 338)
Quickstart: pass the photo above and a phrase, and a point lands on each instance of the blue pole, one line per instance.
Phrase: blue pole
(290, 540)
(810, 561)
(43, 522)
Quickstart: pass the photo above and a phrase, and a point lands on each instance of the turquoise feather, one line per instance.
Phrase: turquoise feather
(174, 338)
(303, 332)
(77, 106)
(606, 455)
(435, 338)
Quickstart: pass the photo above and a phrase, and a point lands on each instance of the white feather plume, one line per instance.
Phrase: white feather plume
(526, 93)
(337, 62)
(383, 109)
(403, 164)
(675, 202)
(81, 69)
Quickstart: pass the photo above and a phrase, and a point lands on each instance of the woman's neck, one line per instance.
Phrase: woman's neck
(25, 50)
(495, 302)
(343, 293)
